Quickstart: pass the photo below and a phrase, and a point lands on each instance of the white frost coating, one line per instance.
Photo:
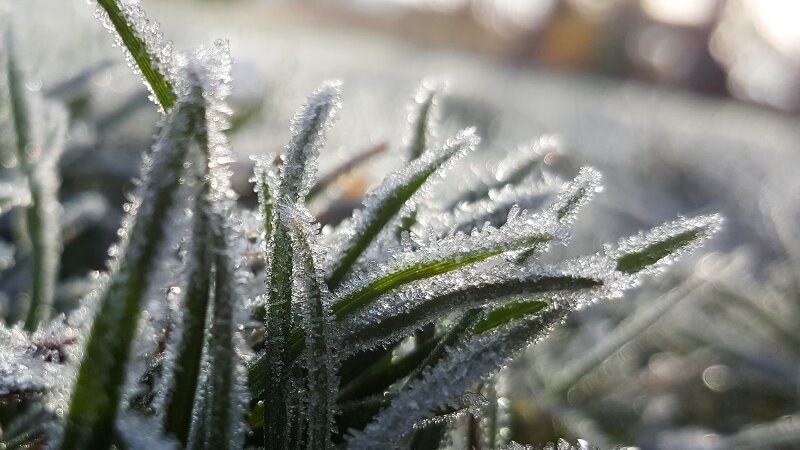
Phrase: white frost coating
(158, 48)
(705, 227)
(21, 371)
(469, 403)
(492, 210)
(461, 369)
(522, 231)
(572, 284)
(43, 362)
(436, 161)
(311, 298)
(143, 433)
(208, 69)
(577, 193)
(308, 127)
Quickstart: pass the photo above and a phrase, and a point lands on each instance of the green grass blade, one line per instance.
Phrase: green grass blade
(299, 168)
(96, 396)
(474, 295)
(376, 378)
(389, 199)
(655, 249)
(276, 389)
(521, 232)
(222, 412)
(130, 35)
(180, 401)
(311, 291)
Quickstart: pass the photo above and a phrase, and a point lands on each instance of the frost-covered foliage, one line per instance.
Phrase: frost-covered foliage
(382, 333)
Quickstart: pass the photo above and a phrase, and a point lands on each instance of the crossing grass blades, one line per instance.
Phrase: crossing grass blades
(218, 327)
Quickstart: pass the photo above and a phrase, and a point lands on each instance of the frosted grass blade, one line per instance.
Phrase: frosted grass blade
(95, 401)
(448, 380)
(653, 250)
(577, 194)
(413, 308)
(224, 420)
(521, 232)
(296, 179)
(276, 388)
(299, 168)
(144, 46)
(187, 361)
(388, 200)
(311, 291)
(507, 313)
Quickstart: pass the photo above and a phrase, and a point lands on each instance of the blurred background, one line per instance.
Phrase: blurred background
(686, 106)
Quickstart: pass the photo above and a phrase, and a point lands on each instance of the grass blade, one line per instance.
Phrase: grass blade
(187, 362)
(96, 396)
(521, 232)
(143, 44)
(276, 389)
(223, 418)
(308, 126)
(388, 200)
(651, 251)
(310, 289)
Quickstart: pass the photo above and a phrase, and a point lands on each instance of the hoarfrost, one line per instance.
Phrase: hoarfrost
(462, 367)
(308, 127)
(370, 224)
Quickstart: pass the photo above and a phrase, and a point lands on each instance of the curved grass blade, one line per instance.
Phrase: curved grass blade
(562, 284)
(276, 389)
(96, 396)
(388, 200)
(144, 46)
(521, 232)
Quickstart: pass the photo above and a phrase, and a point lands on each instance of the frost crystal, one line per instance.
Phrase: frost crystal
(158, 49)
